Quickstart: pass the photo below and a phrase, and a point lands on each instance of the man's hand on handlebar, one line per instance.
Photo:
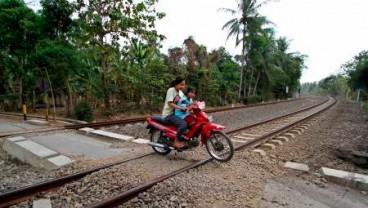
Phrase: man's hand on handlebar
(184, 108)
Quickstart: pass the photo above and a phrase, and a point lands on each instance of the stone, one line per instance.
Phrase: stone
(297, 166)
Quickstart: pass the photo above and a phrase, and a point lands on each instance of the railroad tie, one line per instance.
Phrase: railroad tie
(244, 138)
(239, 141)
(300, 129)
(289, 135)
(250, 135)
(275, 142)
(303, 127)
(307, 125)
(267, 146)
(260, 152)
(295, 131)
(282, 138)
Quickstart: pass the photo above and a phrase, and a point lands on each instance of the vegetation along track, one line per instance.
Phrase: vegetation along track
(280, 125)
(117, 122)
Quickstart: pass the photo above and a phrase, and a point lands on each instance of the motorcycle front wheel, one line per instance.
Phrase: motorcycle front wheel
(219, 146)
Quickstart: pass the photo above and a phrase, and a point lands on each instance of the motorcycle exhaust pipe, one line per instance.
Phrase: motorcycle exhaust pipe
(160, 145)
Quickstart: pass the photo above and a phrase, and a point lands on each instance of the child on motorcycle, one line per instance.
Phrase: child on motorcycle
(185, 101)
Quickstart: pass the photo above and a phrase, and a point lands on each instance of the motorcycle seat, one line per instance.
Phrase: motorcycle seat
(159, 119)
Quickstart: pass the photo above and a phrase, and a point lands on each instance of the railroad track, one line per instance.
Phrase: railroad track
(120, 122)
(295, 120)
(292, 119)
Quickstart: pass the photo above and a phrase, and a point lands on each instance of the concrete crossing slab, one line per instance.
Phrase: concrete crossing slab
(345, 178)
(14, 125)
(72, 144)
(86, 130)
(60, 160)
(141, 141)
(36, 149)
(112, 135)
(42, 203)
(34, 154)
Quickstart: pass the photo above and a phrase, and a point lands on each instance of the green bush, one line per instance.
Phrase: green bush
(83, 111)
(252, 100)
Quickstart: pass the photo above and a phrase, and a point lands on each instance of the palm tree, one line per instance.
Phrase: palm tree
(240, 28)
(291, 63)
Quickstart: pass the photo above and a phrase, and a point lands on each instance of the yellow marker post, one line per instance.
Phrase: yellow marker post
(47, 114)
(24, 112)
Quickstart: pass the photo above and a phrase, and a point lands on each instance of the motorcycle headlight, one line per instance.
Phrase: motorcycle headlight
(210, 118)
(201, 105)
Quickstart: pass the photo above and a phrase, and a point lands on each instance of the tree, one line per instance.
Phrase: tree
(19, 32)
(62, 63)
(109, 25)
(357, 71)
(240, 28)
(57, 19)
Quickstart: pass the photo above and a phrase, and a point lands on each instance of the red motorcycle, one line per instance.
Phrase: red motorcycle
(217, 143)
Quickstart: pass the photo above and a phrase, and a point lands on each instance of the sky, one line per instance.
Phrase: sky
(329, 32)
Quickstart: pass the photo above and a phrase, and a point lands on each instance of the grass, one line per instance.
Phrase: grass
(365, 106)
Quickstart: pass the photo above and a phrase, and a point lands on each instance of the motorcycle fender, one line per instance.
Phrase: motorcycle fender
(207, 128)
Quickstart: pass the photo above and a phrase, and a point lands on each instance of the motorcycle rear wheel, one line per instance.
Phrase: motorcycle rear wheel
(156, 136)
(220, 147)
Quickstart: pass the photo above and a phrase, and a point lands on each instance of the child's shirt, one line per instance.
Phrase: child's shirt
(183, 102)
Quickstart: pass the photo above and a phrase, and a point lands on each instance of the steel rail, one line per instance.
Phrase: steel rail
(143, 118)
(129, 194)
(10, 114)
(27, 192)
(31, 131)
